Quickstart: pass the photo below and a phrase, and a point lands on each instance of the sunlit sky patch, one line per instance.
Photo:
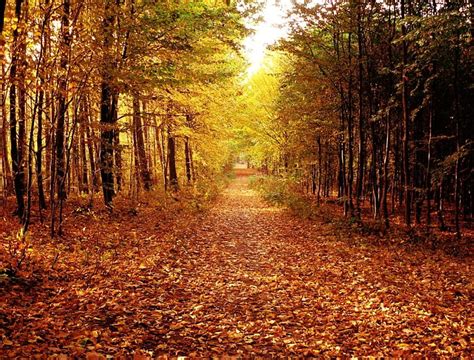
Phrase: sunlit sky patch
(273, 25)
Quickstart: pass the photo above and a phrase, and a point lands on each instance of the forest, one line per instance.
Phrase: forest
(236, 179)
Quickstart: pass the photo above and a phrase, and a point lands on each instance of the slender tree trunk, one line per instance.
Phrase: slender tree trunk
(37, 111)
(39, 151)
(7, 181)
(428, 166)
(342, 189)
(406, 123)
(418, 169)
(173, 176)
(375, 187)
(41, 106)
(457, 115)
(82, 142)
(350, 130)
(17, 160)
(146, 138)
(3, 131)
(160, 150)
(142, 159)
(22, 96)
(193, 171)
(62, 112)
(62, 103)
(187, 156)
(3, 4)
(117, 147)
(49, 135)
(385, 172)
(90, 148)
(320, 169)
(27, 215)
(328, 177)
(361, 162)
(136, 178)
(106, 110)
(165, 152)
(440, 206)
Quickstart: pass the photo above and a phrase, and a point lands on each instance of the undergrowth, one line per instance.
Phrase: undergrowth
(281, 191)
(86, 218)
(284, 192)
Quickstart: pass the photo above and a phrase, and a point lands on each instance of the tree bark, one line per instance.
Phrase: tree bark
(173, 175)
(117, 148)
(141, 152)
(17, 159)
(320, 169)
(406, 123)
(428, 165)
(106, 109)
(350, 131)
(187, 155)
(62, 103)
(82, 144)
(361, 162)
(3, 130)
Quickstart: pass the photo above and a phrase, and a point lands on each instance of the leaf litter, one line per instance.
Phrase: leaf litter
(242, 279)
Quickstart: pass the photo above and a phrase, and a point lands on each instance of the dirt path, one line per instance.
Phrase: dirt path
(255, 279)
(251, 279)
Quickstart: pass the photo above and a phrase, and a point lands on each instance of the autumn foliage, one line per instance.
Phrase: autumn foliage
(161, 200)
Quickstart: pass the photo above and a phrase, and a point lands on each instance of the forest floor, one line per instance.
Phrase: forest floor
(242, 278)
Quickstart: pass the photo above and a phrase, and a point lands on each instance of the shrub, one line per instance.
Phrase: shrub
(281, 191)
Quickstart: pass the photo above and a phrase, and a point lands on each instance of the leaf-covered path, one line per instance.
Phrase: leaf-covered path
(251, 279)
(254, 279)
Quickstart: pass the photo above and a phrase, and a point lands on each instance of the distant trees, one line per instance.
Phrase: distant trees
(376, 106)
(109, 87)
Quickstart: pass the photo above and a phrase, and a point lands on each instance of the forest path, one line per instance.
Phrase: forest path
(254, 279)
(242, 278)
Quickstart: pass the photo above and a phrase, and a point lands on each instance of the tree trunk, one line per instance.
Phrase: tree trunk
(440, 206)
(173, 176)
(22, 96)
(320, 170)
(428, 166)
(3, 130)
(117, 147)
(62, 104)
(350, 131)
(16, 155)
(164, 152)
(385, 172)
(39, 151)
(45, 36)
(361, 162)
(90, 147)
(457, 115)
(187, 155)
(106, 109)
(142, 159)
(375, 187)
(82, 144)
(60, 156)
(3, 4)
(406, 123)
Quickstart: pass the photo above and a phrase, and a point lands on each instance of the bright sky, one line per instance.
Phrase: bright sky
(272, 27)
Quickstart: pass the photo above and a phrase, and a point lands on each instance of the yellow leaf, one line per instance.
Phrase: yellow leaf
(235, 335)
